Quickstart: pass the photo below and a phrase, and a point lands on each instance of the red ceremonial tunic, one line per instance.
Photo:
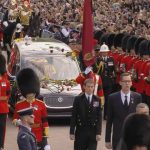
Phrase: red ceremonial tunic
(81, 78)
(40, 114)
(147, 83)
(4, 92)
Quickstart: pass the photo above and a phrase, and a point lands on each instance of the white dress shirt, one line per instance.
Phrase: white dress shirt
(90, 96)
(123, 97)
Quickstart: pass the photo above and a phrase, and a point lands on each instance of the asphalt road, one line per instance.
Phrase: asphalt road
(58, 139)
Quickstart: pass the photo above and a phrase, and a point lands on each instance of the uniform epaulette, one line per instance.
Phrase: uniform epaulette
(21, 101)
(40, 101)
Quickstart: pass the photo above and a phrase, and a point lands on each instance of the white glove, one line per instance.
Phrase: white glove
(47, 147)
(18, 122)
(87, 70)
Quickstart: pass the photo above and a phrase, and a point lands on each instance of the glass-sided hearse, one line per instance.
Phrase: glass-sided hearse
(56, 68)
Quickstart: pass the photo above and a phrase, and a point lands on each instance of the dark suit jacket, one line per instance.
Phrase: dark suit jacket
(117, 113)
(84, 115)
(106, 71)
(26, 139)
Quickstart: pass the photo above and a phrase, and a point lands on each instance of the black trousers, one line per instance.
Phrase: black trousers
(2, 128)
(85, 139)
(42, 144)
(107, 92)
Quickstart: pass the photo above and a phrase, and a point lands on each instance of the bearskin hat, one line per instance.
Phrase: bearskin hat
(28, 82)
(2, 64)
(130, 43)
(124, 42)
(136, 130)
(137, 43)
(110, 40)
(143, 48)
(104, 39)
(118, 39)
(97, 35)
(149, 46)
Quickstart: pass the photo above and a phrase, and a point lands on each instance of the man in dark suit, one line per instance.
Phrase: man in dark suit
(26, 139)
(120, 104)
(86, 120)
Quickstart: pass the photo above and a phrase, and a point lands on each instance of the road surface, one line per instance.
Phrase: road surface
(59, 135)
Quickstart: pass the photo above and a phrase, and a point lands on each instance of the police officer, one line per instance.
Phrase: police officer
(4, 97)
(106, 69)
(29, 86)
(86, 120)
(26, 139)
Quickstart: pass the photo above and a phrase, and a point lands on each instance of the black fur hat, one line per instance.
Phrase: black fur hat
(137, 43)
(104, 39)
(97, 35)
(143, 48)
(2, 64)
(118, 40)
(130, 43)
(124, 42)
(28, 82)
(110, 40)
(136, 131)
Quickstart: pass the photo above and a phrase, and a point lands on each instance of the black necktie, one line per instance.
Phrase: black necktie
(126, 102)
(89, 99)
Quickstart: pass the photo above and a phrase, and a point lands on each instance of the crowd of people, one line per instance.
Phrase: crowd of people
(122, 61)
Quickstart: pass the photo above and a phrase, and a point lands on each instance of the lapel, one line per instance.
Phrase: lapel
(131, 105)
(120, 99)
(85, 99)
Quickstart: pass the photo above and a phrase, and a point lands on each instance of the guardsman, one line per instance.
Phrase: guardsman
(24, 16)
(138, 68)
(147, 82)
(120, 52)
(130, 52)
(106, 69)
(4, 97)
(144, 54)
(26, 139)
(135, 61)
(88, 73)
(29, 86)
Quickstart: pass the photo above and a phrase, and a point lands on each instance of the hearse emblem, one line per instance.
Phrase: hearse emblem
(60, 99)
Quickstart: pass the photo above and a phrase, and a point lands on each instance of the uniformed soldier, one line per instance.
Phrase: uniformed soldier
(24, 16)
(106, 69)
(147, 82)
(29, 86)
(26, 139)
(4, 97)
(86, 120)
(98, 88)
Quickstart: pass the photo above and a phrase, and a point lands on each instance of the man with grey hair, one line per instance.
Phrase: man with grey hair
(142, 108)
